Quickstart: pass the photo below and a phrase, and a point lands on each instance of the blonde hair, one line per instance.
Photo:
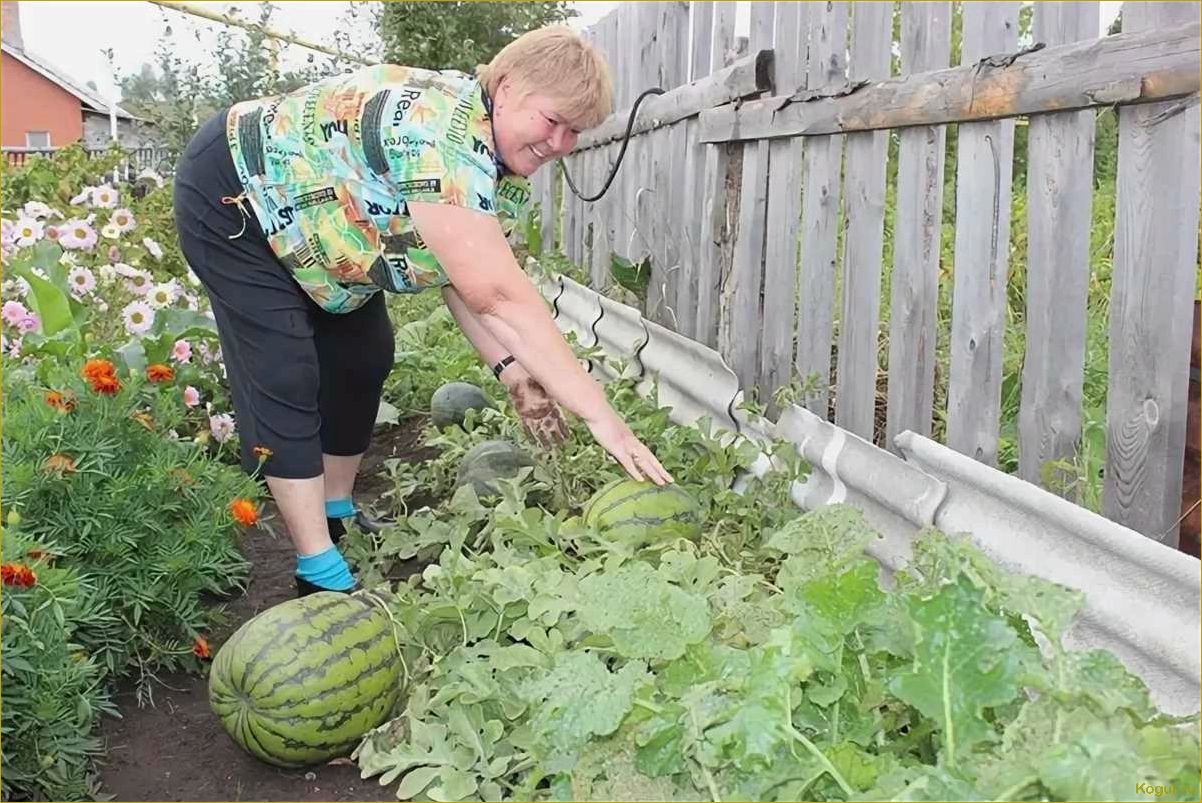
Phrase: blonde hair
(558, 57)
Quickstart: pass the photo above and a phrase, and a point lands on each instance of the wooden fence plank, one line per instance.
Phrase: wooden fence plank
(1144, 67)
(642, 147)
(864, 204)
(984, 157)
(718, 186)
(625, 184)
(608, 204)
(1153, 283)
(925, 46)
(671, 48)
(692, 205)
(820, 213)
(738, 336)
(1059, 201)
(702, 16)
(747, 76)
(784, 210)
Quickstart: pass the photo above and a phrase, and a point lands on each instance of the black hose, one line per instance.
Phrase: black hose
(625, 141)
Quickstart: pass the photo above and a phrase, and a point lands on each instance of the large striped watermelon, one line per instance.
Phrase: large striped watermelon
(303, 681)
(641, 513)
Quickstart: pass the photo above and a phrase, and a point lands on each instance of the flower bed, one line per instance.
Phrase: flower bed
(122, 503)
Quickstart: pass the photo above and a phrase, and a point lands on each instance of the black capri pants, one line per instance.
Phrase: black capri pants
(304, 381)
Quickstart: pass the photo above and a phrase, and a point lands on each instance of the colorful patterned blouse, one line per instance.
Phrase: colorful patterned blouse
(328, 170)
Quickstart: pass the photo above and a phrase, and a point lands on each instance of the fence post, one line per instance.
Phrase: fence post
(1153, 282)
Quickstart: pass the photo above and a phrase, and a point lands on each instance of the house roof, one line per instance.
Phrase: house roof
(90, 100)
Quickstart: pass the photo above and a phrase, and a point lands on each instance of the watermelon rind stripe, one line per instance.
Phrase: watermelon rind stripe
(285, 627)
(320, 634)
(337, 657)
(607, 505)
(355, 684)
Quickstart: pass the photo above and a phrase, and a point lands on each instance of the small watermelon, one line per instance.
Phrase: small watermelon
(450, 403)
(305, 680)
(643, 513)
(489, 461)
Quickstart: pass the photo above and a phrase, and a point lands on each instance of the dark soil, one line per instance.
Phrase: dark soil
(176, 749)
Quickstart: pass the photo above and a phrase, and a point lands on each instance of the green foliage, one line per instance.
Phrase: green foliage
(765, 662)
(53, 693)
(177, 95)
(459, 35)
(142, 517)
(56, 179)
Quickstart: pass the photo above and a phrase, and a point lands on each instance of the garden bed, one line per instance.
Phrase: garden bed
(176, 749)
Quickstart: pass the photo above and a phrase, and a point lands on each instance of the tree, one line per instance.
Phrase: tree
(178, 95)
(458, 35)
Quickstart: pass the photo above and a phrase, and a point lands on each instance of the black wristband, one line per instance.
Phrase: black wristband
(499, 367)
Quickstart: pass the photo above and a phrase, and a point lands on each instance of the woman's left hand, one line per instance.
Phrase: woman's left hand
(540, 415)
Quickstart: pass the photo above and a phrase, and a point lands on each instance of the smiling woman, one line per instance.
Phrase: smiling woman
(295, 211)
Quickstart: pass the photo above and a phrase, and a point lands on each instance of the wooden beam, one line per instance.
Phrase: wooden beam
(1153, 65)
(748, 76)
(1152, 286)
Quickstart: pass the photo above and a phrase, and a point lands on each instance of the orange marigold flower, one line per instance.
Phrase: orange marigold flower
(262, 452)
(200, 648)
(160, 373)
(245, 512)
(92, 369)
(106, 384)
(59, 463)
(60, 401)
(17, 574)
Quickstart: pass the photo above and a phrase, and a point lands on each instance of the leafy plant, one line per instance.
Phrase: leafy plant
(766, 661)
(142, 516)
(459, 35)
(53, 694)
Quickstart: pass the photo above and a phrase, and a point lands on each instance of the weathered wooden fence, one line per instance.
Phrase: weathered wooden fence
(160, 160)
(757, 188)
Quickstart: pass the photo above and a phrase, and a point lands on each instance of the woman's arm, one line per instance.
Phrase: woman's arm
(538, 412)
(472, 249)
(485, 344)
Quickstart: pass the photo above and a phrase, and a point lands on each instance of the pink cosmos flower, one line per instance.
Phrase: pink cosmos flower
(191, 396)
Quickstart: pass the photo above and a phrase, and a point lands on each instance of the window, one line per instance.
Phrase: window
(37, 139)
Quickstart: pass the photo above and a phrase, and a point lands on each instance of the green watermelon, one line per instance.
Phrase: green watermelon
(643, 513)
(489, 461)
(450, 403)
(304, 681)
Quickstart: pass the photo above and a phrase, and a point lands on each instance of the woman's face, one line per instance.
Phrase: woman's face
(530, 131)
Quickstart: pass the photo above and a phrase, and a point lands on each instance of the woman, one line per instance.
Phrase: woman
(296, 211)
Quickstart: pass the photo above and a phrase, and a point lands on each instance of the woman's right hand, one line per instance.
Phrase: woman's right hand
(612, 433)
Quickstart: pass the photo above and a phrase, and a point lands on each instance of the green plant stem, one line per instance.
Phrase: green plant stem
(1018, 787)
(652, 707)
(822, 759)
(709, 781)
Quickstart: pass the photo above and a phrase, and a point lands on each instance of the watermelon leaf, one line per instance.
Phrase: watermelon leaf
(646, 616)
(966, 660)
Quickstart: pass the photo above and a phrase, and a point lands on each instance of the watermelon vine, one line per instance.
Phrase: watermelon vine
(768, 658)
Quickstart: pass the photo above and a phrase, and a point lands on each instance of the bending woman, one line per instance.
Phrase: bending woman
(296, 211)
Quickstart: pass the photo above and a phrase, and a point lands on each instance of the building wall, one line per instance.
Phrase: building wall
(33, 103)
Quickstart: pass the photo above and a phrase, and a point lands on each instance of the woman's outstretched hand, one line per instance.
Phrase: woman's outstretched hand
(616, 438)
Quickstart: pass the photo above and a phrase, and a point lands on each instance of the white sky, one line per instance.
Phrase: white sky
(72, 34)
